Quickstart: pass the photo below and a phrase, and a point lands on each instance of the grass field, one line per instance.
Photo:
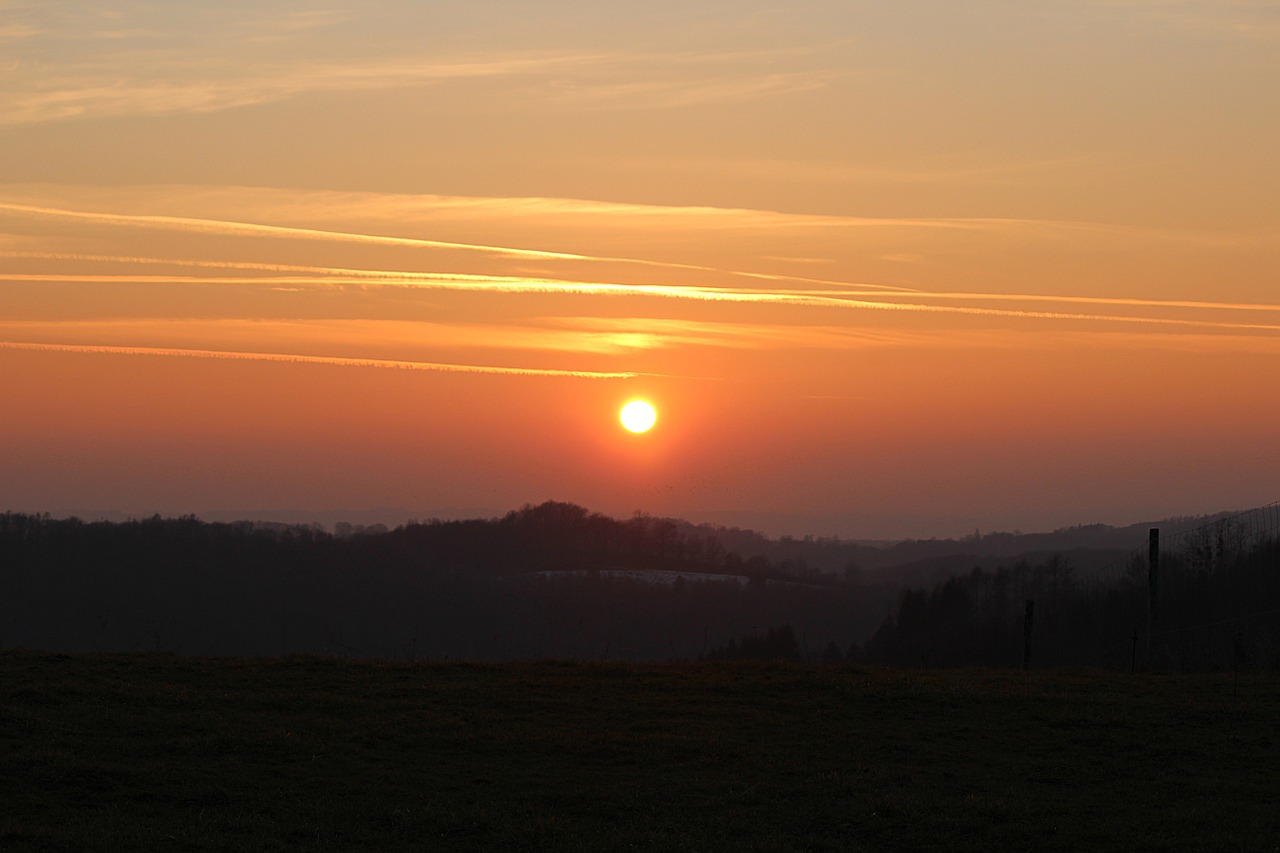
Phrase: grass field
(139, 752)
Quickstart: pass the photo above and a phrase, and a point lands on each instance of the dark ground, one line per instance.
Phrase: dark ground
(147, 752)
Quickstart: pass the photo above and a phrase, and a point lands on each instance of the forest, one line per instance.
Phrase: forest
(1213, 604)
(547, 581)
(556, 581)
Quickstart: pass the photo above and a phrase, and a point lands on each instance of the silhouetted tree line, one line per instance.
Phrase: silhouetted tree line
(535, 583)
(926, 561)
(1218, 606)
(778, 644)
(459, 589)
(1219, 602)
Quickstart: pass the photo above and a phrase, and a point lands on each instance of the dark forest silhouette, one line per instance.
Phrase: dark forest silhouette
(542, 581)
(557, 581)
(1216, 606)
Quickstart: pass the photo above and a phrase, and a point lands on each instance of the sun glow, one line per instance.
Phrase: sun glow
(638, 416)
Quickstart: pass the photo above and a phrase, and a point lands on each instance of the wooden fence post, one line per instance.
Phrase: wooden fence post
(1026, 633)
(1153, 575)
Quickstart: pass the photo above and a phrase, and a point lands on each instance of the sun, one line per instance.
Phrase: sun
(638, 416)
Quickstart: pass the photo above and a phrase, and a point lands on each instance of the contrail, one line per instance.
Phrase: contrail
(222, 226)
(818, 298)
(402, 277)
(1126, 301)
(317, 359)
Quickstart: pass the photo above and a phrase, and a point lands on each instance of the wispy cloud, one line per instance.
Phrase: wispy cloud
(948, 170)
(830, 299)
(160, 82)
(16, 31)
(680, 93)
(250, 205)
(224, 227)
(297, 341)
(842, 296)
(1129, 302)
(233, 228)
(588, 275)
(332, 361)
(201, 86)
(292, 24)
(639, 333)
(1234, 19)
(381, 338)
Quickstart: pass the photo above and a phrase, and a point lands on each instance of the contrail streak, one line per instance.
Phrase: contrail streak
(818, 298)
(843, 289)
(1132, 302)
(222, 226)
(315, 359)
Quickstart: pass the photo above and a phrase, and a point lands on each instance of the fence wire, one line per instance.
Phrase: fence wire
(1218, 594)
(1214, 602)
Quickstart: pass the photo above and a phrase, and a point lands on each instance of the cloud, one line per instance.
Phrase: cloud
(1255, 20)
(195, 85)
(242, 207)
(216, 226)
(290, 358)
(205, 61)
(331, 342)
(664, 332)
(835, 300)
(160, 82)
(16, 31)
(234, 228)
(1101, 300)
(293, 24)
(682, 93)
(587, 275)
(396, 339)
(848, 296)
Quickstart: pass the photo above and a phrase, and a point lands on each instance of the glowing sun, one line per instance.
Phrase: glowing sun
(638, 416)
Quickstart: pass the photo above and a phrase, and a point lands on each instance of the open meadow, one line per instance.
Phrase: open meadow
(144, 752)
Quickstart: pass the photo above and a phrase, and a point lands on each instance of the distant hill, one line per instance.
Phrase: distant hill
(894, 562)
(546, 581)
(925, 561)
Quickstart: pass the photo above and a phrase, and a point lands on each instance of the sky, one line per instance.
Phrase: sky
(885, 269)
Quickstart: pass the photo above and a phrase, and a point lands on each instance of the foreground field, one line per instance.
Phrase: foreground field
(155, 752)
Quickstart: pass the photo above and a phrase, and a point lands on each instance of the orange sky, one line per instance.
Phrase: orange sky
(886, 269)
